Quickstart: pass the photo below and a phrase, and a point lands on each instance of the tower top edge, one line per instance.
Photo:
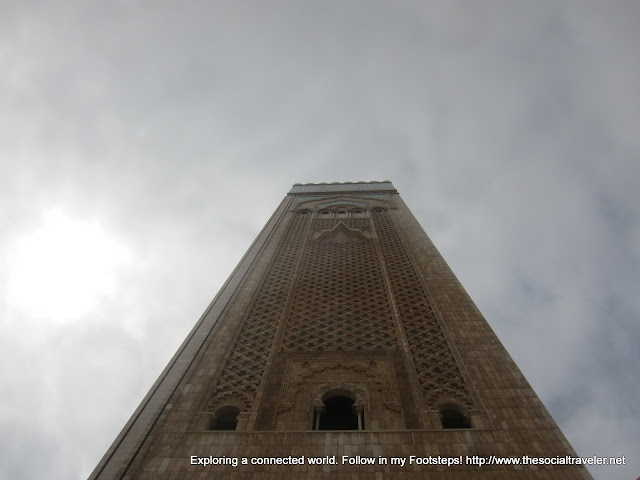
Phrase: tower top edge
(343, 187)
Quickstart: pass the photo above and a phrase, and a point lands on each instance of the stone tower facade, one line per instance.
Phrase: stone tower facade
(342, 338)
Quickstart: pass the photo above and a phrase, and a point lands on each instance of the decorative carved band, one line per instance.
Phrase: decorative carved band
(436, 367)
(340, 302)
(244, 369)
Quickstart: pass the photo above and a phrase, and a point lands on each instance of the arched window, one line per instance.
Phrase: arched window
(226, 418)
(379, 210)
(358, 213)
(338, 412)
(304, 212)
(338, 415)
(325, 214)
(453, 416)
(342, 213)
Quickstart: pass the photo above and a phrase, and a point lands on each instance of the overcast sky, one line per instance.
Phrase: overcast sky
(144, 144)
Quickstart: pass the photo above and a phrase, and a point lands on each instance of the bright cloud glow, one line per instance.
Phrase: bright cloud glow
(63, 269)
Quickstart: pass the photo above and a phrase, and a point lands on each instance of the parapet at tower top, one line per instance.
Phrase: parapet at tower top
(343, 187)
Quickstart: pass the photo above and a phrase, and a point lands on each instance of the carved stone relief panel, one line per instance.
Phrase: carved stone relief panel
(244, 368)
(340, 302)
(436, 367)
(308, 380)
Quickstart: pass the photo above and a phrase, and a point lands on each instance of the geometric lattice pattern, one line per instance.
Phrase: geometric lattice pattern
(435, 364)
(244, 369)
(340, 302)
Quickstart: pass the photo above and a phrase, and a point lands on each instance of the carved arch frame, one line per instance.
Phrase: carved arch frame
(353, 391)
(340, 201)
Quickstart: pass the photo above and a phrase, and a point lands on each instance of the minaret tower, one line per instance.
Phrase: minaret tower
(341, 337)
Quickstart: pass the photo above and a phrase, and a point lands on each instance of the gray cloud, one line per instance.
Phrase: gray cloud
(510, 129)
